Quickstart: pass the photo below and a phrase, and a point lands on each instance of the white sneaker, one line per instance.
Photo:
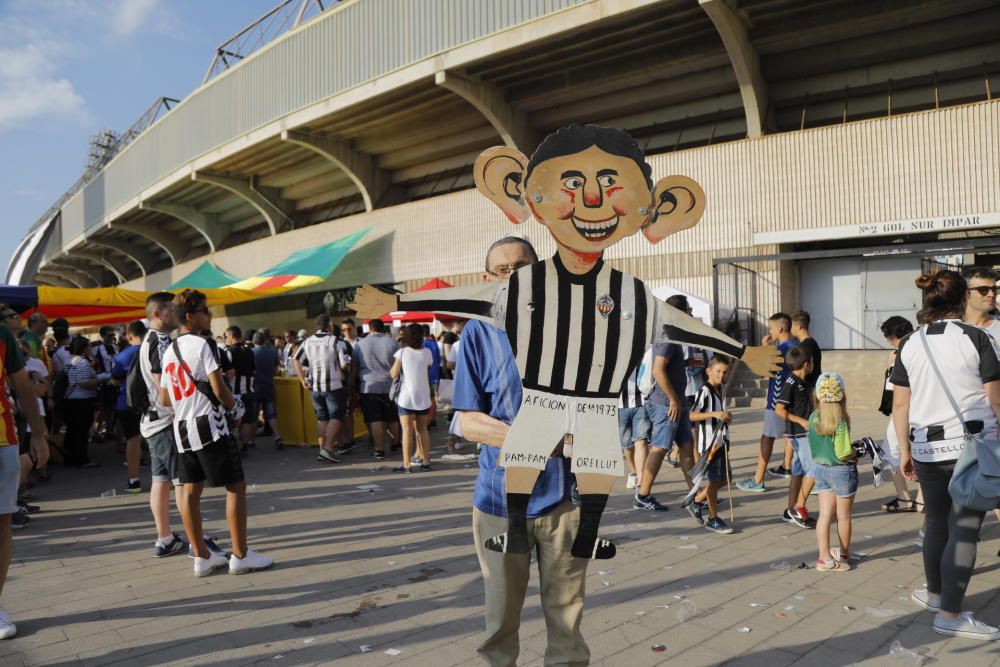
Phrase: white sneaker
(966, 626)
(926, 599)
(632, 481)
(7, 629)
(252, 562)
(206, 566)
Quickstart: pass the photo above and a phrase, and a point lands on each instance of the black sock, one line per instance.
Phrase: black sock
(591, 507)
(515, 540)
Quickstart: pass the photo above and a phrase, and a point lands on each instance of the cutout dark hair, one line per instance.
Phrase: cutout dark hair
(578, 138)
(986, 272)
(136, 328)
(234, 331)
(413, 336)
(896, 327)
(189, 301)
(797, 358)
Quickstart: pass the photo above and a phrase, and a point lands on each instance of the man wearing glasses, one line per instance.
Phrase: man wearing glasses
(487, 395)
(981, 299)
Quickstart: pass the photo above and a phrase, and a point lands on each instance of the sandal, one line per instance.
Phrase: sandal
(832, 566)
(893, 506)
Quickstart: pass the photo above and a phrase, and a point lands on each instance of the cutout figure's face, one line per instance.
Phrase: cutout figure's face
(589, 200)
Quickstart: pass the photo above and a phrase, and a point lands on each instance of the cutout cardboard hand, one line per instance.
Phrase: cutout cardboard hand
(371, 302)
(764, 360)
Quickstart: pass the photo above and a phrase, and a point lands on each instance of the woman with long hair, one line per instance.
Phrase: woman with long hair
(945, 361)
(413, 362)
(78, 404)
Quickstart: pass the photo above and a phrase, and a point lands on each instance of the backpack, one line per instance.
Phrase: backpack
(644, 378)
(136, 391)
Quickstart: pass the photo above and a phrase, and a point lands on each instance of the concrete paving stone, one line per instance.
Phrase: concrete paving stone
(89, 592)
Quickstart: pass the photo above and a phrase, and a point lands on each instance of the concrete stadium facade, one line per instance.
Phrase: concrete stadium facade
(842, 146)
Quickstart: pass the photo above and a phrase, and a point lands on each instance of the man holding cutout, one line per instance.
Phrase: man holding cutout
(591, 187)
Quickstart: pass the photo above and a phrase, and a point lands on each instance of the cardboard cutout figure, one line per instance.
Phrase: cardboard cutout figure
(577, 327)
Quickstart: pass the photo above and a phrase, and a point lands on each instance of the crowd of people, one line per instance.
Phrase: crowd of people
(189, 406)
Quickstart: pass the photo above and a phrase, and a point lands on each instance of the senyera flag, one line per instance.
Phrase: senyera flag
(114, 305)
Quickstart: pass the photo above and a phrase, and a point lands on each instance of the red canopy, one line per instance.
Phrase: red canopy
(415, 315)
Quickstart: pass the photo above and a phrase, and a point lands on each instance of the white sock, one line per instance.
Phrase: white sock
(166, 541)
(132, 480)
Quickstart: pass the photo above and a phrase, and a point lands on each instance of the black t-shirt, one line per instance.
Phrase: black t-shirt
(450, 338)
(797, 397)
(812, 347)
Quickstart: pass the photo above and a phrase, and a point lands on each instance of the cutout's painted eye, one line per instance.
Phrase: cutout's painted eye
(606, 181)
(573, 183)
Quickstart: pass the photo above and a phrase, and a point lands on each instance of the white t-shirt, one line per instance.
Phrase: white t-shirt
(994, 329)
(453, 352)
(968, 358)
(415, 394)
(159, 416)
(197, 423)
(33, 365)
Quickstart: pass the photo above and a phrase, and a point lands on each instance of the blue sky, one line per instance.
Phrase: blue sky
(69, 68)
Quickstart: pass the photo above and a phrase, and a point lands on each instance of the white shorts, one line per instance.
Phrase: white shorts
(774, 426)
(544, 419)
(890, 445)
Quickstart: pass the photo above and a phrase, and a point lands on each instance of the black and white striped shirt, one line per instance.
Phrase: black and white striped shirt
(241, 359)
(325, 355)
(631, 396)
(709, 400)
(575, 335)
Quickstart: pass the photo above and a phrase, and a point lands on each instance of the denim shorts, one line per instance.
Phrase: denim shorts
(841, 480)
(665, 432)
(716, 470)
(163, 456)
(330, 405)
(264, 399)
(802, 460)
(633, 426)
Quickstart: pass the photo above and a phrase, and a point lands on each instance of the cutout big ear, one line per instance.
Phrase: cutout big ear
(499, 174)
(678, 204)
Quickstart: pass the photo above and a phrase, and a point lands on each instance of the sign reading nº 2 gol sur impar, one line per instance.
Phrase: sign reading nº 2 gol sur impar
(920, 226)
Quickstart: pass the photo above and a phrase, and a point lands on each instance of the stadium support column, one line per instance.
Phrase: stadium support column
(144, 260)
(510, 123)
(172, 245)
(207, 224)
(50, 278)
(275, 210)
(76, 275)
(732, 29)
(360, 167)
(102, 259)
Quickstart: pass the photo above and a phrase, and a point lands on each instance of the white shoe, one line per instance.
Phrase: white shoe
(926, 599)
(7, 629)
(966, 626)
(206, 566)
(632, 481)
(252, 562)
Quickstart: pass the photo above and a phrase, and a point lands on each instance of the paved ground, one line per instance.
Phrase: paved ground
(394, 569)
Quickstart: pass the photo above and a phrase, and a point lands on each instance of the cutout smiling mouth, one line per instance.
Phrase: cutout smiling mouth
(595, 230)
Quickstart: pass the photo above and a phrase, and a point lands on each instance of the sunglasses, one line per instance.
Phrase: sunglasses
(11, 316)
(984, 290)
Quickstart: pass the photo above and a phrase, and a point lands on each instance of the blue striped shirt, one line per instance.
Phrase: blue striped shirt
(487, 380)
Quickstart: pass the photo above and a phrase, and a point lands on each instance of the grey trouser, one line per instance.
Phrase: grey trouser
(561, 586)
(951, 534)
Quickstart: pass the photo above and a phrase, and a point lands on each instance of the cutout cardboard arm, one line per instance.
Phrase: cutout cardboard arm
(474, 302)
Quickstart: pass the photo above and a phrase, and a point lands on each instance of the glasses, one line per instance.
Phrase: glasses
(11, 316)
(984, 290)
(505, 271)
(200, 310)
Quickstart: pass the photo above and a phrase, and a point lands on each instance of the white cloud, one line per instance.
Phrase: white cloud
(30, 87)
(132, 14)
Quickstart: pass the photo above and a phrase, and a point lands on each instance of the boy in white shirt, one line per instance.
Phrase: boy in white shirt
(192, 382)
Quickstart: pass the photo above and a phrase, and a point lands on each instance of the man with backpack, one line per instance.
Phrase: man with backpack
(127, 417)
(192, 382)
(155, 425)
(243, 369)
(107, 395)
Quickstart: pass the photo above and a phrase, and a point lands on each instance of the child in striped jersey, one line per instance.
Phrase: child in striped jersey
(712, 419)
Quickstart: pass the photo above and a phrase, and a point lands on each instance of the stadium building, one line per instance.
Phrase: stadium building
(843, 146)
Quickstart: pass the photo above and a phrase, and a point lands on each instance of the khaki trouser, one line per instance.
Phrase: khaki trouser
(561, 586)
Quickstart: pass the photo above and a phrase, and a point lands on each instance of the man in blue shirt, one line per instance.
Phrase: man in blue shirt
(265, 359)
(487, 396)
(779, 334)
(668, 414)
(129, 419)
